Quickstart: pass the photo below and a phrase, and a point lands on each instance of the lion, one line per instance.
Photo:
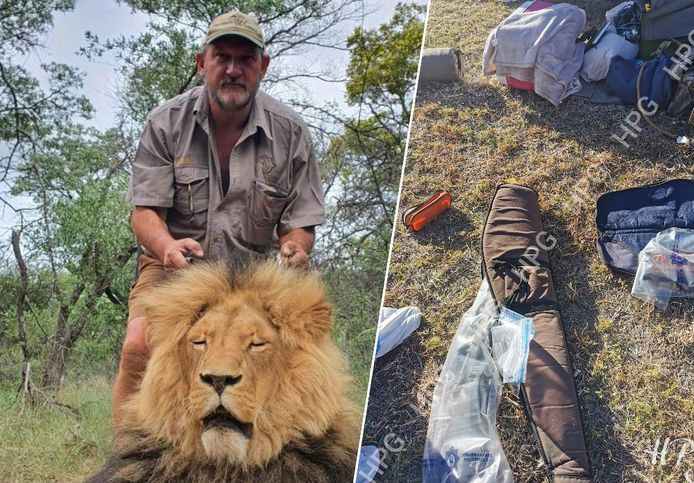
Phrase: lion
(244, 383)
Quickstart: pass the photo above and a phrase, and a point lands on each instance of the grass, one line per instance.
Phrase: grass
(61, 443)
(634, 363)
(356, 298)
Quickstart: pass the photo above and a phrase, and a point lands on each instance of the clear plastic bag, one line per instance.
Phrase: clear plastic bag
(462, 443)
(369, 464)
(666, 268)
(511, 345)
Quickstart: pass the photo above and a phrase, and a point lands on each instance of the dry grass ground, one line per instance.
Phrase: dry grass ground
(634, 364)
(60, 443)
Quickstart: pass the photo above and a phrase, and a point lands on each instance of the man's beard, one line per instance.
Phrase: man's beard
(240, 98)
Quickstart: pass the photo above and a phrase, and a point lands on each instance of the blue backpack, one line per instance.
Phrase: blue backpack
(656, 83)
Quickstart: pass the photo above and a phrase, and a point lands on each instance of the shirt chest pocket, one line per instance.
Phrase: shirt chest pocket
(267, 201)
(192, 193)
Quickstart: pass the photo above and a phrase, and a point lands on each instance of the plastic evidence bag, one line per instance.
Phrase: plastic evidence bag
(462, 443)
(511, 346)
(369, 464)
(666, 268)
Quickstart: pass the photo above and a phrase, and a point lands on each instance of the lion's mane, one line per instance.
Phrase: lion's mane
(305, 431)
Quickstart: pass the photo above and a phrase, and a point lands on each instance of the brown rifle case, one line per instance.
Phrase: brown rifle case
(516, 264)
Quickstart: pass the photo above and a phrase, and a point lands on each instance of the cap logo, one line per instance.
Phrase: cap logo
(235, 23)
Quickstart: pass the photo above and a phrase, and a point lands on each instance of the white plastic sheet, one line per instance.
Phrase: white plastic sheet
(394, 326)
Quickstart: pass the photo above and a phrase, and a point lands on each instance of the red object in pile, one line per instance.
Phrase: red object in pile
(527, 7)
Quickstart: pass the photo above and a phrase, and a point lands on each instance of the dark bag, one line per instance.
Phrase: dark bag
(516, 264)
(628, 219)
(656, 83)
(666, 19)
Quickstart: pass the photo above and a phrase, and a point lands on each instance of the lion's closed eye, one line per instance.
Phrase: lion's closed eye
(257, 346)
(199, 344)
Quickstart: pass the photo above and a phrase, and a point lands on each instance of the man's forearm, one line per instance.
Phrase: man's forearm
(149, 227)
(304, 237)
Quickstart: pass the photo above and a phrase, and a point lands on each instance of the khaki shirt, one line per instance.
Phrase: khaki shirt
(274, 184)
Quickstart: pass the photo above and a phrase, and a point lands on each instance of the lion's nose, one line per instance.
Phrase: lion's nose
(219, 383)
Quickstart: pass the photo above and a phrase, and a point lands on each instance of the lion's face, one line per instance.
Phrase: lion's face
(241, 365)
(235, 354)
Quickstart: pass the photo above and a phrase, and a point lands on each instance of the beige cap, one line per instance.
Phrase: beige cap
(235, 23)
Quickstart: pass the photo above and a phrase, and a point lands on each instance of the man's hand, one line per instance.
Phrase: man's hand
(149, 226)
(295, 247)
(176, 252)
(293, 255)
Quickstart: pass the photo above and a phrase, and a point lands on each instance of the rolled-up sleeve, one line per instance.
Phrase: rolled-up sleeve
(305, 205)
(152, 178)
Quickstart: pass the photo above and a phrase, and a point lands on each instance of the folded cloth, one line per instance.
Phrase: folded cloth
(539, 47)
(441, 65)
(596, 62)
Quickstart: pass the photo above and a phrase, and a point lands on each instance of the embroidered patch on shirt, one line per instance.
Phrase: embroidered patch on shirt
(184, 161)
(267, 163)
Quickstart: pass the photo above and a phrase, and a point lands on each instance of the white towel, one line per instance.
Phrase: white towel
(539, 47)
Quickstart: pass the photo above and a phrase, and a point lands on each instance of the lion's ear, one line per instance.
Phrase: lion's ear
(295, 300)
(301, 311)
(306, 323)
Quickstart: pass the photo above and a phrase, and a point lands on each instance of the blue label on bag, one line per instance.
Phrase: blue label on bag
(452, 458)
(477, 457)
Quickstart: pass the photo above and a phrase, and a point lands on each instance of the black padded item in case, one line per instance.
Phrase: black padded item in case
(628, 219)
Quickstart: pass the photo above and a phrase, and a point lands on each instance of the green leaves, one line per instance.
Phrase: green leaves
(384, 60)
(159, 63)
(365, 162)
(23, 23)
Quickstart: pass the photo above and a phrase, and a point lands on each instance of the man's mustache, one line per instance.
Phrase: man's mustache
(232, 82)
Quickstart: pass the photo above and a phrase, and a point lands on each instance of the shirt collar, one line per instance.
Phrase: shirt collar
(258, 116)
(201, 109)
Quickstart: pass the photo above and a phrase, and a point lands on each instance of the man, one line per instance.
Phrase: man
(221, 171)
